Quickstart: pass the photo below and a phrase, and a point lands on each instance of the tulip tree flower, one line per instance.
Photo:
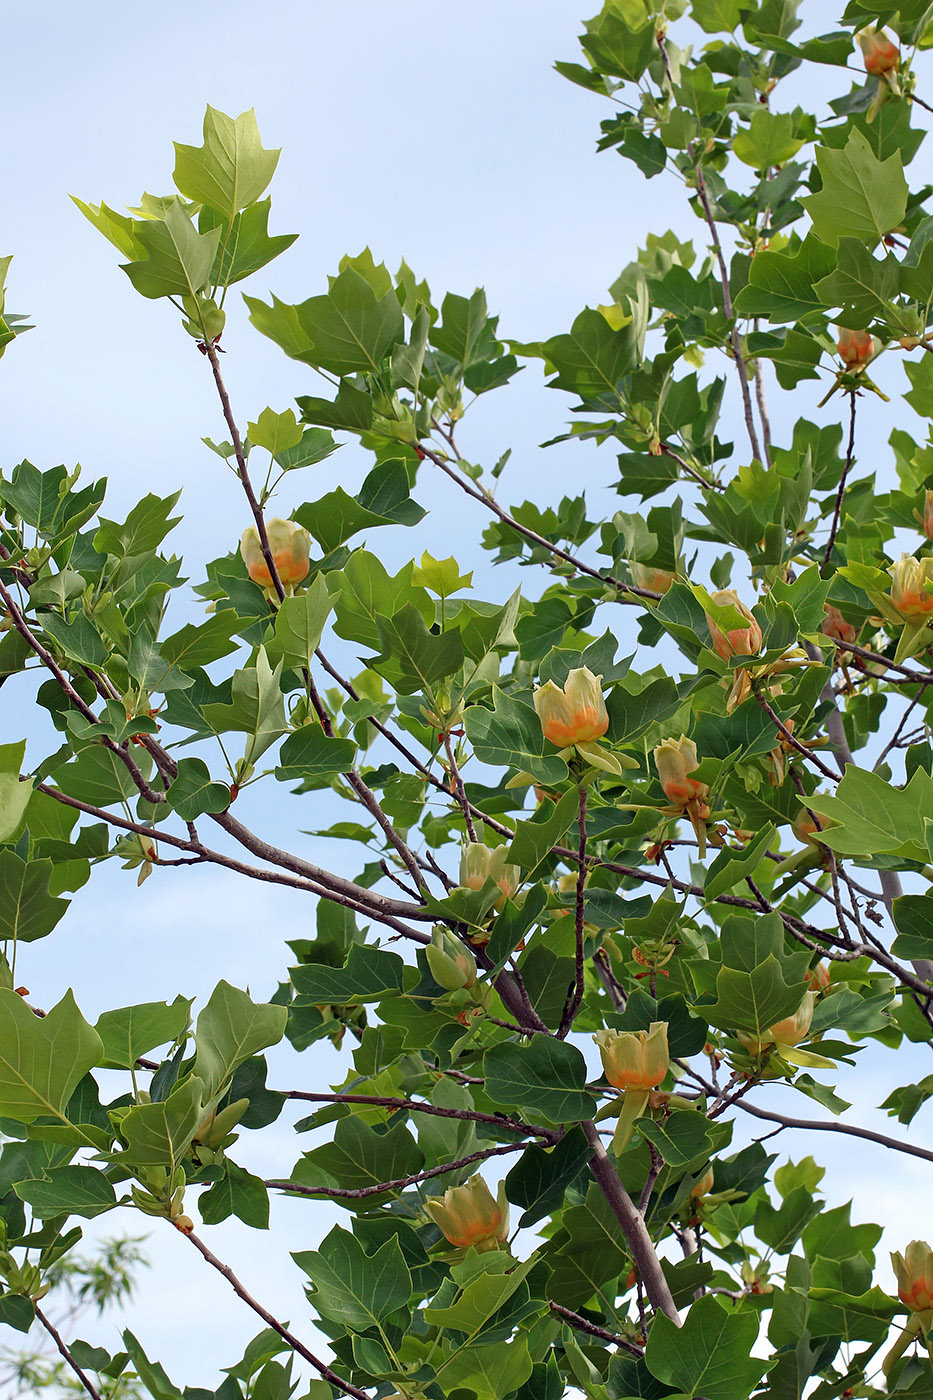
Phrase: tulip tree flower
(836, 626)
(453, 966)
(479, 863)
(634, 1059)
(574, 716)
(470, 1217)
(649, 576)
(737, 641)
(911, 592)
(675, 760)
(855, 348)
(290, 544)
(914, 1273)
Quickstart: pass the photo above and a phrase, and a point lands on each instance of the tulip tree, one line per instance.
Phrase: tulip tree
(611, 908)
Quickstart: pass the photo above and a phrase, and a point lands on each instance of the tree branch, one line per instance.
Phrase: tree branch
(59, 1341)
(298, 1346)
(399, 1184)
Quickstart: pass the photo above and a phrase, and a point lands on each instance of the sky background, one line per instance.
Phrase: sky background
(431, 131)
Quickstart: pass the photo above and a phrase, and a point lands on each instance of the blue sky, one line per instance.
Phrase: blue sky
(435, 132)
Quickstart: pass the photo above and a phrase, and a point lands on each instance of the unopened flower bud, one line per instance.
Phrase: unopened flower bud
(790, 1031)
(819, 978)
(290, 544)
(635, 1059)
(648, 576)
(704, 1186)
(452, 965)
(914, 1272)
(835, 625)
(674, 760)
(881, 55)
(909, 592)
(806, 827)
(855, 348)
(469, 1216)
(739, 641)
(574, 713)
(478, 864)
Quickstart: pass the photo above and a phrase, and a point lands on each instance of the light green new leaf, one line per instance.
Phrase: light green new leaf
(179, 258)
(14, 795)
(352, 1287)
(42, 1059)
(489, 1371)
(118, 229)
(276, 432)
(768, 140)
(71, 1190)
(862, 196)
(131, 1031)
(709, 1355)
(230, 1029)
(231, 169)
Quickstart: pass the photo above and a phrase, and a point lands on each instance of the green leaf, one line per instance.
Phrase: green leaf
(78, 639)
(535, 838)
(541, 1175)
(193, 792)
(237, 1193)
(413, 658)
(143, 530)
(545, 1078)
(351, 1287)
(150, 1372)
(681, 1138)
(199, 645)
(309, 753)
(257, 707)
(369, 975)
(132, 1031)
(245, 245)
(731, 866)
(299, 623)
(862, 196)
(42, 1059)
(489, 1371)
(383, 499)
(276, 432)
(359, 1156)
(509, 736)
(159, 1134)
(118, 229)
(14, 795)
(230, 1029)
(70, 1190)
(231, 169)
(872, 817)
(592, 358)
(782, 286)
(27, 910)
(17, 1311)
(709, 1355)
(179, 258)
(862, 285)
(367, 593)
(913, 919)
(768, 140)
(347, 329)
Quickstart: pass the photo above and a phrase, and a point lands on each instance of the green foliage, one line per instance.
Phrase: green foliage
(675, 855)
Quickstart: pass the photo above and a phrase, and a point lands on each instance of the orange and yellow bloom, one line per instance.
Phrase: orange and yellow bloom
(790, 1031)
(635, 1059)
(914, 1272)
(470, 1217)
(290, 545)
(910, 594)
(575, 713)
(738, 641)
(479, 863)
(855, 348)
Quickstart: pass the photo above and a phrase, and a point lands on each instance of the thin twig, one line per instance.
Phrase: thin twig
(66, 1354)
(399, 1183)
(510, 1125)
(298, 1346)
(850, 458)
(579, 982)
(582, 1324)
